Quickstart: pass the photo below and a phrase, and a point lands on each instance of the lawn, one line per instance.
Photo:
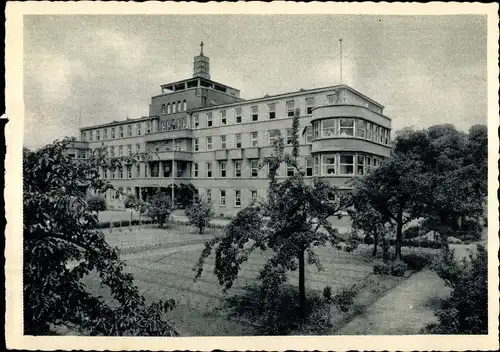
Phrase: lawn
(162, 263)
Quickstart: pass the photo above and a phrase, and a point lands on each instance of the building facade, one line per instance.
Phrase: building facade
(201, 132)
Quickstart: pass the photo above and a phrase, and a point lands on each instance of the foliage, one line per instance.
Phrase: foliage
(96, 203)
(417, 261)
(381, 268)
(466, 310)
(297, 222)
(60, 247)
(159, 208)
(199, 214)
(412, 232)
(130, 202)
(345, 297)
(398, 269)
(393, 268)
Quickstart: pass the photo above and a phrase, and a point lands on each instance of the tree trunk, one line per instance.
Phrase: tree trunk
(399, 235)
(201, 230)
(375, 245)
(302, 285)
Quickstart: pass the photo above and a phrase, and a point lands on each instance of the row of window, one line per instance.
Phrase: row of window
(172, 108)
(123, 150)
(223, 194)
(349, 127)
(116, 132)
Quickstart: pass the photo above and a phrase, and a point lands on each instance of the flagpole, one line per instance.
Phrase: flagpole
(340, 61)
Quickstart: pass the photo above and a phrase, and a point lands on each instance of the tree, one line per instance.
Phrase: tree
(159, 208)
(199, 213)
(465, 311)
(298, 221)
(96, 203)
(61, 246)
(396, 191)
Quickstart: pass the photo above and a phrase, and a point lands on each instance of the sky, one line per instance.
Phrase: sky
(81, 70)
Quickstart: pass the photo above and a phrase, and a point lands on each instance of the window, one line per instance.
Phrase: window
(273, 136)
(105, 173)
(222, 168)
(138, 129)
(375, 161)
(254, 195)
(121, 172)
(173, 108)
(97, 135)
(120, 150)
(290, 108)
(238, 115)
(223, 118)
(317, 165)
(168, 109)
(289, 135)
(129, 130)
(196, 120)
(105, 134)
(360, 166)
(237, 198)
(309, 105)
(361, 128)
(184, 105)
(174, 126)
(329, 127)
(346, 164)
(112, 151)
(222, 198)
(148, 127)
(329, 164)
(381, 134)
(184, 123)
(209, 196)
(375, 133)
(316, 129)
(272, 111)
(177, 144)
(129, 149)
(84, 136)
(138, 147)
(121, 131)
(179, 108)
(331, 99)
(290, 170)
(196, 144)
(237, 140)
(237, 168)
(223, 143)
(113, 135)
(138, 170)
(309, 166)
(129, 171)
(209, 143)
(209, 119)
(82, 154)
(368, 163)
(255, 113)
(91, 135)
(369, 132)
(309, 134)
(209, 169)
(195, 170)
(346, 127)
(163, 125)
(254, 139)
(254, 167)
(387, 138)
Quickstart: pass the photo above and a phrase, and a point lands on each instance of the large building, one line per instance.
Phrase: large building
(202, 133)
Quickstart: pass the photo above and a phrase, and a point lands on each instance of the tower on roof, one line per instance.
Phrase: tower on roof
(201, 67)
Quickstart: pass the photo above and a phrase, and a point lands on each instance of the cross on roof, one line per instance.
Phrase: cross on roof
(201, 45)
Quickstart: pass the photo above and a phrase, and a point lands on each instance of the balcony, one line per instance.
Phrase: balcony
(170, 155)
(166, 135)
(351, 144)
(329, 111)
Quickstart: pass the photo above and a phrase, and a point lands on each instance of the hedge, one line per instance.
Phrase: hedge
(421, 243)
(136, 222)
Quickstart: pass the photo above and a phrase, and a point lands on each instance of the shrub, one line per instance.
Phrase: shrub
(96, 203)
(398, 269)
(368, 239)
(466, 310)
(417, 261)
(344, 299)
(160, 208)
(411, 232)
(381, 269)
(199, 214)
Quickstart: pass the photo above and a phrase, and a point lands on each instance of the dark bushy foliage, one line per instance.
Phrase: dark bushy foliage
(398, 269)
(368, 239)
(417, 261)
(96, 203)
(160, 208)
(418, 243)
(466, 310)
(345, 297)
(411, 232)
(381, 268)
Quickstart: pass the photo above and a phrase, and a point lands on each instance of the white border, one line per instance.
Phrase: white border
(13, 187)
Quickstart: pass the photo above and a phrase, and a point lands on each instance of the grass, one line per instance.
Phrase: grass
(162, 261)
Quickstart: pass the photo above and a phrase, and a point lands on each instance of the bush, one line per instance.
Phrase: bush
(160, 208)
(418, 243)
(344, 299)
(199, 214)
(381, 269)
(417, 261)
(368, 239)
(466, 310)
(411, 232)
(398, 269)
(96, 203)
